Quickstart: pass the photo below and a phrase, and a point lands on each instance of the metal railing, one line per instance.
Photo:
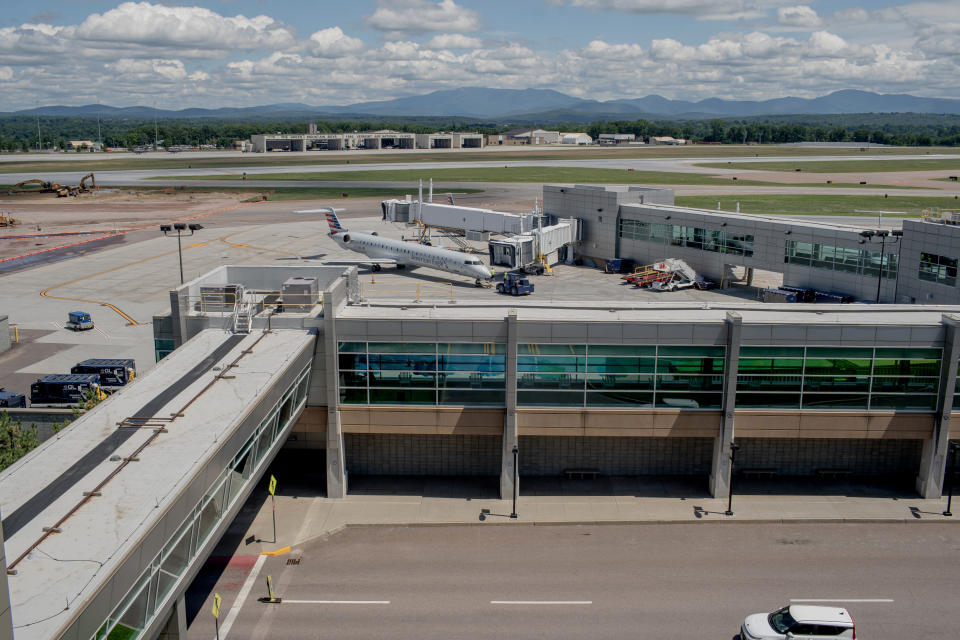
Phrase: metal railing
(421, 292)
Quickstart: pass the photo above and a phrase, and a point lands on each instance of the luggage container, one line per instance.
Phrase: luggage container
(64, 389)
(113, 372)
(11, 400)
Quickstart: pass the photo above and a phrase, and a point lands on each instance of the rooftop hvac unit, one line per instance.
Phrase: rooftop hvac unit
(219, 298)
(299, 294)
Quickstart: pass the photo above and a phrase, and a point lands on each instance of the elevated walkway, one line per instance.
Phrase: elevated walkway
(106, 523)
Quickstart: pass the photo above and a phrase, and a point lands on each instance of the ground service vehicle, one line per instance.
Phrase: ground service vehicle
(113, 372)
(79, 321)
(65, 389)
(515, 284)
(803, 622)
(11, 400)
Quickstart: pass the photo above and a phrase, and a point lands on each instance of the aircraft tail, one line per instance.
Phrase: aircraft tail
(332, 220)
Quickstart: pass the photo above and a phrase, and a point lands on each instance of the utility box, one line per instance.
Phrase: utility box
(219, 298)
(299, 294)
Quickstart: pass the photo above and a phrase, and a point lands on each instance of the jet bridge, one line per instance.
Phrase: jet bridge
(533, 249)
(143, 486)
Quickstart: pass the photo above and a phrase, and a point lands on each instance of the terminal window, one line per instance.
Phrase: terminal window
(940, 269)
(729, 242)
(681, 377)
(825, 256)
(863, 378)
(412, 373)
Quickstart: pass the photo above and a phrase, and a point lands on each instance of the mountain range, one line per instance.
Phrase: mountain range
(535, 105)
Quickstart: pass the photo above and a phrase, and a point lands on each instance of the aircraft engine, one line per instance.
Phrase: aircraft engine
(346, 238)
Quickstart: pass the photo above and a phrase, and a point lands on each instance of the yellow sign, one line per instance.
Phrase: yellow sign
(273, 485)
(216, 605)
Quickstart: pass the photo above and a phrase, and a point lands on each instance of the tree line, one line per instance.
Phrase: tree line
(27, 133)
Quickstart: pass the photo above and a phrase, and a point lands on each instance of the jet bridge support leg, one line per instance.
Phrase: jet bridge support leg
(510, 437)
(176, 627)
(336, 460)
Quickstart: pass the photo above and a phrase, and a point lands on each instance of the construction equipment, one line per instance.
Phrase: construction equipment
(24, 187)
(8, 220)
(63, 192)
(79, 321)
(515, 285)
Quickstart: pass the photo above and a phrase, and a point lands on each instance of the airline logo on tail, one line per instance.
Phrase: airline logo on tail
(335, 226)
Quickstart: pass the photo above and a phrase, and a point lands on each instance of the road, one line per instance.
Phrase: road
(621, 581)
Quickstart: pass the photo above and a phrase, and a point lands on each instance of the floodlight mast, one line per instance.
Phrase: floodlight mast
(180, 227)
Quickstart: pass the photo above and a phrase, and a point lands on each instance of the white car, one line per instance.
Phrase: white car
(804, 622)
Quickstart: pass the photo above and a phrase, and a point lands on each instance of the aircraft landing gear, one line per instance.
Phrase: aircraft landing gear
(477, 283)
(401, 266)
(376, 267)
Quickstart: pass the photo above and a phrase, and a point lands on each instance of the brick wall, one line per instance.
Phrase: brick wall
(433, 455)
(805, 456)
(548, 456)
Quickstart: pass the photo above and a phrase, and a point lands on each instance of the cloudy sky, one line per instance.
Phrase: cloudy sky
(325, 52)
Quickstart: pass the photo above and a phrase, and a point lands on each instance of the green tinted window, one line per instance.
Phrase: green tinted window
(839, 352)
(834, 401)
(907, 402)
(471, 396)
(471, 380)
(690, 383)
(620, 365)
(690, 365)
(550, 364)
(897, 352)
(620, 350)
(771, 352)
(715, 352)
(837, 366)
(550, 398)
(402, 379)
(550, 381)
(768, 400)
(836, 383)
(403, 396)
(552, 349)
(352, 347)
(773, 366)
(675, 400)
(929, 368)
(768, 383)
(472, 347)
(402, 347)
(905, 385)
(596, 381)
(353, 396)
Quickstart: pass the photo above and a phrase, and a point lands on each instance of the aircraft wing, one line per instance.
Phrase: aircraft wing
(364, 261)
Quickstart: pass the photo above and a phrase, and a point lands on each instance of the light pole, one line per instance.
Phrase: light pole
(869, 234)
(180, 227)
(952, 449)
(733, 454)
(516, 480)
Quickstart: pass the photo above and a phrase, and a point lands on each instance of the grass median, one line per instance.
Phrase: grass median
(821, 205)
(515, 174)
(843, 166)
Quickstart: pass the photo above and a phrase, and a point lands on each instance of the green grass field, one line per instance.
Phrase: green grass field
(822, 205)
(513, 174)
(843, 166)
(199, 160)
(281, 193)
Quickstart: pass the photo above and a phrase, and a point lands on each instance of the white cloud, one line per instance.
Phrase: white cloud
(799, 16)
(701, 9)
(6, 74)
(333, 42)
(454, 41)
(418, 16)
(824, 43)
(156, 69)
(154, 25)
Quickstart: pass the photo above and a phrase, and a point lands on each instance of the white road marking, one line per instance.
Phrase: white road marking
(241, 597)
(841, 599)
(285, 601)
(56, 324)
(102, 332)
(541, 602)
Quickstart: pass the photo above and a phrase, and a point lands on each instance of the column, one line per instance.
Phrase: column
(720, 470)
(510, 439)
(336, 464)
(933, 461)
(176, 627)
(6, 616)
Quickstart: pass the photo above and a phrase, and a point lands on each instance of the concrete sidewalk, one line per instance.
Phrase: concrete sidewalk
(303, 515)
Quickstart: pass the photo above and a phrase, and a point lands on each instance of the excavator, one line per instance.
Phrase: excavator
(62, 191)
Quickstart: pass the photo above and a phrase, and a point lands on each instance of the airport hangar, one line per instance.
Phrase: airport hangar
(147, 482)
(365, 140)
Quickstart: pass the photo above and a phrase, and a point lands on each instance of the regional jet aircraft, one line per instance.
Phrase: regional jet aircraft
(397, 252)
